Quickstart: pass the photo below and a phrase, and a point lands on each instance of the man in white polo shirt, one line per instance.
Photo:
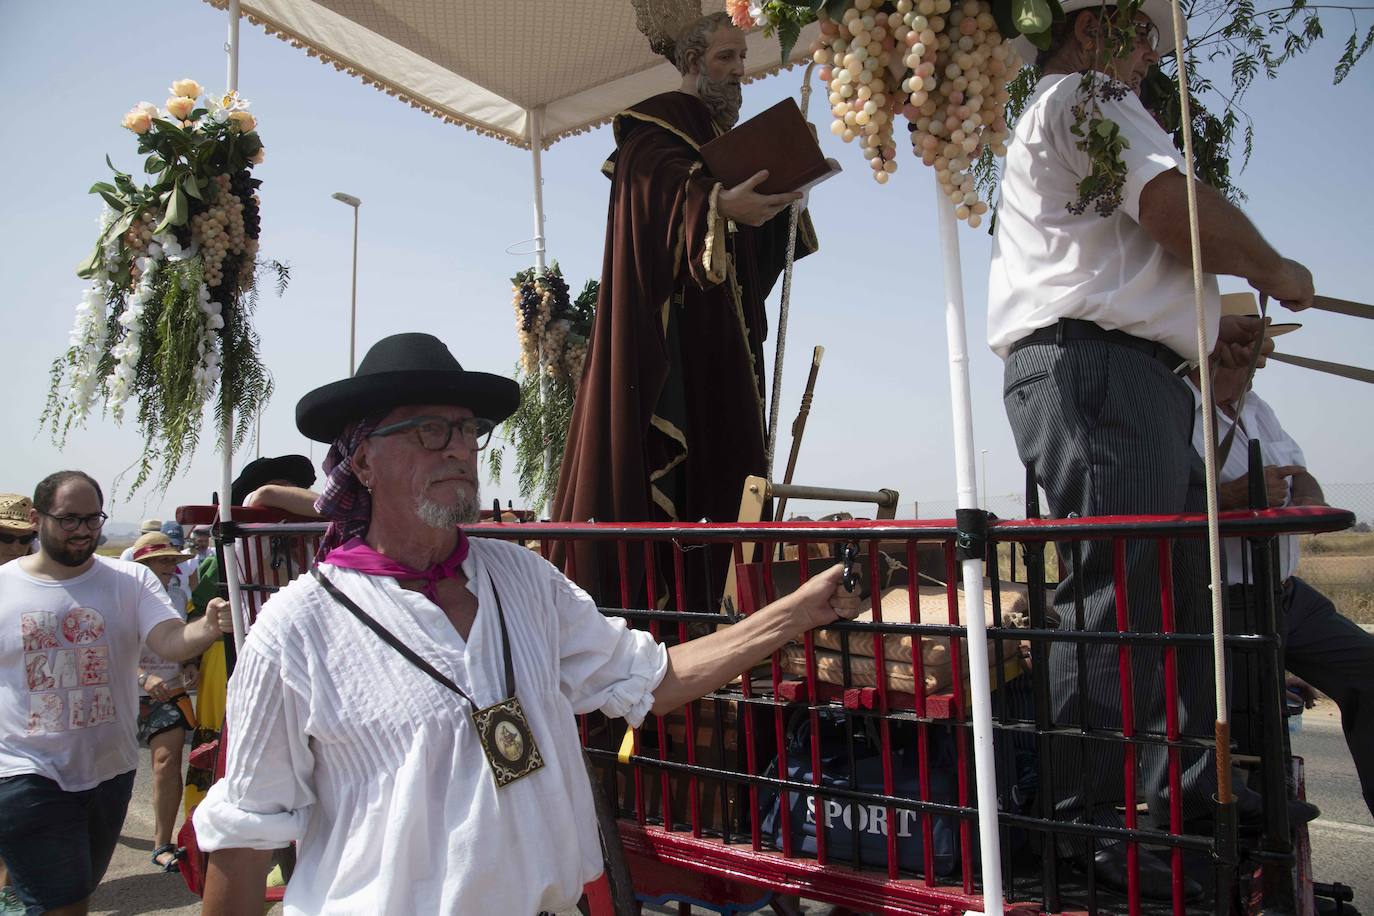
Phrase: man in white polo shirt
(1094, 315)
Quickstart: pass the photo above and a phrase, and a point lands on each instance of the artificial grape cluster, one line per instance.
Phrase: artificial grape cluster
(531, 313)
(542, 302)
(137, 238)
(219, 230)
(942, 65)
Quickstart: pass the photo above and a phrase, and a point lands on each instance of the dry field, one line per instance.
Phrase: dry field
(1340, 565)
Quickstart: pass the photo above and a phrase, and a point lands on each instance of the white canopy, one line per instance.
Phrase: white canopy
(468, 62)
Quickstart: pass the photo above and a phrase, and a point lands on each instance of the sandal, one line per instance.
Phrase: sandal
(172, 864)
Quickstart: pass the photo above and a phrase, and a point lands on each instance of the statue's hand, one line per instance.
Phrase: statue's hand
(745, 205)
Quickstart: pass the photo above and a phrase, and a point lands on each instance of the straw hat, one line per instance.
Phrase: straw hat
(155, 544)
(1248, 304)
(150, 524)
(14, 513)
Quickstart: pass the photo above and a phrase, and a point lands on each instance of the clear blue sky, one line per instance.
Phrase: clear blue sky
(441, 205)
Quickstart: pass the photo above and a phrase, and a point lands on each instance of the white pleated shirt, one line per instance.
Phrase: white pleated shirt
(339, 743)
(1048, 263)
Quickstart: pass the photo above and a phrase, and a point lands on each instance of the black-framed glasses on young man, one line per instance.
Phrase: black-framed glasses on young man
(435, 433)
(72, 522)
(25, 539)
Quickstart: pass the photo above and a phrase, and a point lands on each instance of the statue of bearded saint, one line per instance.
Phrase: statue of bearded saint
(722, 96)
(710, 55)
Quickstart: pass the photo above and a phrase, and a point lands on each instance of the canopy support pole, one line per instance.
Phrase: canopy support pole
(230, 572)
(966, 481)
(536, 121)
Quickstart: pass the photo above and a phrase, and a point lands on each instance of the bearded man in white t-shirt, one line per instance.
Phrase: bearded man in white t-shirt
(71, 628)
(1095, 317)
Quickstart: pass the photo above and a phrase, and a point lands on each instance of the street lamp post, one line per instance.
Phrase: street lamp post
(353, 310)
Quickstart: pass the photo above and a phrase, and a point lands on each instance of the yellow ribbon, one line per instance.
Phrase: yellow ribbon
(627, 746)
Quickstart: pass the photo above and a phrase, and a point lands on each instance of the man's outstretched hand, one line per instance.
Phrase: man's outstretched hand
(745, 205)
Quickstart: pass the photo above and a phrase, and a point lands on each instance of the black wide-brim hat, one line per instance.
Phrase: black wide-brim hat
(401, 371)
(294, 468)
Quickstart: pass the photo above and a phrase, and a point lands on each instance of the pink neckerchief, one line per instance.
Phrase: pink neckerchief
(356, 554)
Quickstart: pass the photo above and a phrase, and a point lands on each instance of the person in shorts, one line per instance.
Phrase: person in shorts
(71, 624)
(165, 714)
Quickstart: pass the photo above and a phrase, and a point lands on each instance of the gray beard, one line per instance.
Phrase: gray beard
(445, 518)
(723, 99)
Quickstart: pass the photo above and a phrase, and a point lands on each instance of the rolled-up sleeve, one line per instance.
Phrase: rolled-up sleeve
(605, 665)
(1149, 150)
(264, 799)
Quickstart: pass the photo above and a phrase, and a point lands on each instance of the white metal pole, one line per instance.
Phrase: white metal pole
(230, 571)
(965, 470)
(536, 120)
(231, 47)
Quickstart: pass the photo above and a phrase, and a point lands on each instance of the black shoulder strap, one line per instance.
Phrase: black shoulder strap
(387, 636)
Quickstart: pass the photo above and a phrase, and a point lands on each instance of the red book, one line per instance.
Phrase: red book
(779, 140)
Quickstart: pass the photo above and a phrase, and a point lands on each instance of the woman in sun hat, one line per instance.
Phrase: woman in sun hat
(17, 533)
(164, 709)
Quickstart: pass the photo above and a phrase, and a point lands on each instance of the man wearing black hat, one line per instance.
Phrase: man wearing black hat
(406, 714)
(283, 482)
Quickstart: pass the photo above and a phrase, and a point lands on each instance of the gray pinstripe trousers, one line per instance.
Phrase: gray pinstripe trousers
(1108, 430)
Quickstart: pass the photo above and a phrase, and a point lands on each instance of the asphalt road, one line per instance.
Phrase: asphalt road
(1342, 838)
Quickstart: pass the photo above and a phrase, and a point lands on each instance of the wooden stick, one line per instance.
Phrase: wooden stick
(1321, 365)
(1343, 306)
(799, 425)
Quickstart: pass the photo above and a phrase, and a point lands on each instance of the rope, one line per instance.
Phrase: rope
(1209, 422)
(794, 216)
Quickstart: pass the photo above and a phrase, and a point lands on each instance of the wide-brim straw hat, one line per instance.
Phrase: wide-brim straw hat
(155, 544)
(14, 513)
(1248, 304)
(400, 371)
(1160, 13)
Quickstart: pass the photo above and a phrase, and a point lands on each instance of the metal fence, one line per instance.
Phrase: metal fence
(841, 767)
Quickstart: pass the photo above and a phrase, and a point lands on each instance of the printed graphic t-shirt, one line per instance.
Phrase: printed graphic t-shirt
(68, 657)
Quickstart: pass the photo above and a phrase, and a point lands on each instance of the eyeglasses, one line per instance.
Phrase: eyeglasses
(1146, 33)
(73, 522)
(435, 433)
(18, 538)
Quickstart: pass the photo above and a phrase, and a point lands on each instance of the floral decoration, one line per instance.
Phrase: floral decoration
(165, 322)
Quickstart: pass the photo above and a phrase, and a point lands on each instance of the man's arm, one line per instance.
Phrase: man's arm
(296, 500)
(1306, 490)
(701, 665)
(177, 641)
(234, 882)
(1230, 242)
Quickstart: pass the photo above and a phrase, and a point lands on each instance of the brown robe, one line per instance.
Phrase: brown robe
(669, 418)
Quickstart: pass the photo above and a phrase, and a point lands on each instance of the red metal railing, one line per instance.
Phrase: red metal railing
(694, 801)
